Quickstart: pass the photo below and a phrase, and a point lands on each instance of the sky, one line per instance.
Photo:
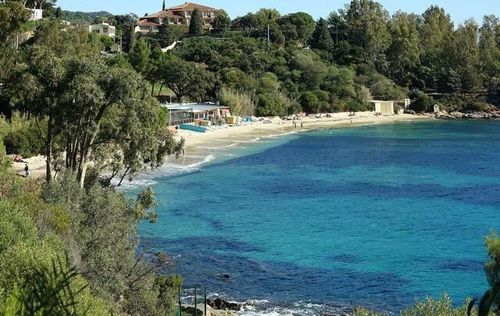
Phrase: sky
(460, 10)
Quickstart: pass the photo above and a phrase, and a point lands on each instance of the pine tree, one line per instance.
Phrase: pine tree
(321, 38)
(163, 6)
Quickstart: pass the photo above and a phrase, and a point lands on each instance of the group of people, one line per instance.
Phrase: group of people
(295, 124)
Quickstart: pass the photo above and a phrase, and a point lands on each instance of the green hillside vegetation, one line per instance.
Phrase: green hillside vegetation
(339, 63)
(84, 17)
(68, 242)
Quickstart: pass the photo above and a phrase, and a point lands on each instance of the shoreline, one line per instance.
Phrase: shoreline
(201, 147)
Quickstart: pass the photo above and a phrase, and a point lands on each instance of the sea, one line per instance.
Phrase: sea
(322, 221)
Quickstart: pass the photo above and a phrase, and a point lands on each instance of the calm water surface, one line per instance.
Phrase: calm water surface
(377, 216)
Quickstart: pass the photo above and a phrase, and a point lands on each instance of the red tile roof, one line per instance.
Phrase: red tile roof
(191, 6)
(170, 12)
(147, 23)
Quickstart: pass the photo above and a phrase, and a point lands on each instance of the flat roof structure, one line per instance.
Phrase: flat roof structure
(183, 113)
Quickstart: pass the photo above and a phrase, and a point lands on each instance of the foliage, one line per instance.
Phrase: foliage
(321, 38)
(222, 22)
(492, 270)
(441, 307)
(84, 17)
(49, 292)
(167, 34)
(12, 16)
(31, 275)
(297, 27)
(22, 136)
(196, 25)
(187, 79)
(241, 103)
(139, 56)
(421, 102)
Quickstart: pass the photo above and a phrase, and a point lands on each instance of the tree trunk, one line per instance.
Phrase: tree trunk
(123, 176)
(48, 151)
(161, 89)
(86, 152)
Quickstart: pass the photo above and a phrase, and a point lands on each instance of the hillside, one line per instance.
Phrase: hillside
(79, 17)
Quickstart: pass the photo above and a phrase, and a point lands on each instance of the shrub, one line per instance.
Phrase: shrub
(241, 103)
(421, 102)
(477, 106)
(22, 136)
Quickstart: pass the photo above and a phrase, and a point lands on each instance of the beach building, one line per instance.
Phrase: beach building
(384, 107)
(103, 29)
(178, 15)
(203, 114)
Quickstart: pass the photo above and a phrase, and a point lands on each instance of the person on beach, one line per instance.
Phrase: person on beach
(294, 124)
(26, 170)
(301, 124)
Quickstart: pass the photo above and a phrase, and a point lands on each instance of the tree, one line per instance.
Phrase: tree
(297, 27)
(109, 106)
(12, 16)
(463, 56)
(222, 22)
(366, 21)
(139, 56)
(309, 102)
(187, 79)
(404, 52)
(321, 38)
(167, 34)
(104, 245)
(436, 29)
(196, 25)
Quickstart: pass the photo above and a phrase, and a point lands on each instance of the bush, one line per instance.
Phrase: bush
(442, 307)
(22, 136)
(356, 106)
(477, 106)
(241, 103)
(421, 102)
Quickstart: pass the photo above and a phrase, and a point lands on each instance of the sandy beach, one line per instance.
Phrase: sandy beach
(226, 136)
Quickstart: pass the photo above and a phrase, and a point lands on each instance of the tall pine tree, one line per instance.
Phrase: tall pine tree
(321, 38)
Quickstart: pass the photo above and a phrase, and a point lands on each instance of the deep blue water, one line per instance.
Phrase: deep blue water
(376, 216)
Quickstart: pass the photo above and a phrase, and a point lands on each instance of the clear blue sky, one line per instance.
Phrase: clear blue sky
(460, 10)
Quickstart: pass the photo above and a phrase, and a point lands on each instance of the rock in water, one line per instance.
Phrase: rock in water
(219, 303)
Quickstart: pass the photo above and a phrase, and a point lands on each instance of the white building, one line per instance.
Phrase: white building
(384, 107)
(103, 29)
(36, 14)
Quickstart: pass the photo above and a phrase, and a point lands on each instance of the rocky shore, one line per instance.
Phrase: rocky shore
(481, 115)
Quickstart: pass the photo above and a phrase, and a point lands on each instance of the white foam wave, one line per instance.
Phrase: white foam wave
(167, 170)
(232, 145)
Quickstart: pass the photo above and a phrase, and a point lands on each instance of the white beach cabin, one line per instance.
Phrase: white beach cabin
(384, 107)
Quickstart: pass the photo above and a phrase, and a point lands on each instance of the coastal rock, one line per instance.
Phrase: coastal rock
(221, 304)
(471, 115)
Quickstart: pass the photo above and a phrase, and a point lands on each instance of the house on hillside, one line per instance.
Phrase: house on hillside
(103, 29)
(178, 15)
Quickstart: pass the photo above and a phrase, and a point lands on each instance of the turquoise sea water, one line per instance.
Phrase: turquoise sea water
(377, 216)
